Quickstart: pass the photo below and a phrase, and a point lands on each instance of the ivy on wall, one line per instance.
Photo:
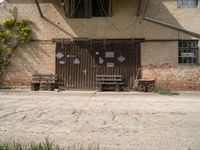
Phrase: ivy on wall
(13, 32)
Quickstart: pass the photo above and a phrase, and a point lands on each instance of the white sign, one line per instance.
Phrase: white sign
(101, 61)
(110, 65)
(59, 55)
(109, 54)
(71, 56)
(77, 61)
(62, 62)
(121, 58)
(187, 55)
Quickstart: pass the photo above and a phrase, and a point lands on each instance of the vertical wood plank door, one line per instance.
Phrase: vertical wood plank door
(78, 63)
(116, 57)
(77, 67)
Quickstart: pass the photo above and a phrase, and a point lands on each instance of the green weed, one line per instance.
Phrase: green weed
(47, 145)
(164, 91)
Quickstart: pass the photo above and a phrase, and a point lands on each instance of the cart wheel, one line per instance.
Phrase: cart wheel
(142, 88)
(151, 87)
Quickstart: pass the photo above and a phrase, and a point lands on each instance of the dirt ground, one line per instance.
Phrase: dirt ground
(124, 121)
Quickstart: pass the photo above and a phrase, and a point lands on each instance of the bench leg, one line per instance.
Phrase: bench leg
(117, 88)
(35, 86)
(51, 87)
(100, 88)
(121, 88)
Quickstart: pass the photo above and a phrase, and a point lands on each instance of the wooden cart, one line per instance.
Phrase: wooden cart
(145, 85)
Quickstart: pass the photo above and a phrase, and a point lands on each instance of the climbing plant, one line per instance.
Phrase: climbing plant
(13, 32)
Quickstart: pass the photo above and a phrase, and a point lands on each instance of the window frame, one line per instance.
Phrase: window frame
(187, 48)
(187, 6)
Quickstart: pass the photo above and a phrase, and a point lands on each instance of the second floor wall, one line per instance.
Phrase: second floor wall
(124, 22)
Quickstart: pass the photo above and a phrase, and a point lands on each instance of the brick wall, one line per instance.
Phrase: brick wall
(160, 62)
(36, 57)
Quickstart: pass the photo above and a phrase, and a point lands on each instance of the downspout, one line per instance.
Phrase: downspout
(39, 9)
(195, 34)
(139, 8)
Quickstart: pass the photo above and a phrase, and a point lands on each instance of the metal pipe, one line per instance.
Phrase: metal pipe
(167, 24)
(172, 26)
(39, 9)
(139, 8)
(146, 5)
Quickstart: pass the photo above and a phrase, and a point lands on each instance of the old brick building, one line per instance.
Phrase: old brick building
(157, 37)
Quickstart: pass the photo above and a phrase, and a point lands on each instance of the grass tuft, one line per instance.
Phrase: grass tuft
(47, 145)
(163, 91)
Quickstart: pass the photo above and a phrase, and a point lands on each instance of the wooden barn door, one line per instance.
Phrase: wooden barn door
(78, 67)
(78, 63)
(115, 57)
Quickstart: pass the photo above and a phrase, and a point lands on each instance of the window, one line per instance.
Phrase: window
(89, 8)
(100, 8)
(187, 3)
(79, 9)
(188, 52)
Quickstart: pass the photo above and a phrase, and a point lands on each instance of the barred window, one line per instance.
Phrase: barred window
(88, 8)
(187, 3)
(101, 8)
(79, 9)
(188, 52)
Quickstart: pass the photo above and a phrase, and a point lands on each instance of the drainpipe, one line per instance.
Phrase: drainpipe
(167, 24)
(139, 8)
(39, 9)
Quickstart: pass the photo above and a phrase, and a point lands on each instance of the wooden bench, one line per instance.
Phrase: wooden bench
(107, 81)
(47, 81)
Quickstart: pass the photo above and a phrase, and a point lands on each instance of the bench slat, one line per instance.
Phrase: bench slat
(112, 76)
(108, 79)
(44, 78)
(109, 83)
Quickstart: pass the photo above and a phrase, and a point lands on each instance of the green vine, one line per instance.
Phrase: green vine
(13, 32)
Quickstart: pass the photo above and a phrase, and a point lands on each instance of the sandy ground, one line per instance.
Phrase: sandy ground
(124, 121)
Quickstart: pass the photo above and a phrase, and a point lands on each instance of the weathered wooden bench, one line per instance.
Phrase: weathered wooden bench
(107, 81)
(47, 81)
